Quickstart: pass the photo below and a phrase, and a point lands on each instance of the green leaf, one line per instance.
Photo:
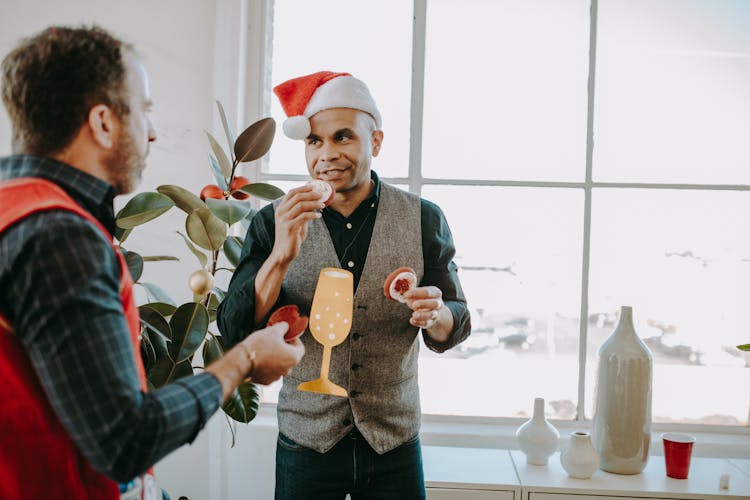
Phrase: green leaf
(213, 349)
(234, 408)
(189, 325)
(225, 123)
(162, 308)
(157, 294)
(135, 264)
(744, 347)
(122, 234)
(230, 211)
(255, 140)
(201, 256)
(213, 305)
(154, 320)
(205, 229)
(233, 249)
(156, 258)
(221, 156)
(184, 199)
(262, 190)
(216, 169)
(219, 293)
(142, 208)
(158, 342)
(159, 374)
(242, 406)
(184, 369)
(148, 354)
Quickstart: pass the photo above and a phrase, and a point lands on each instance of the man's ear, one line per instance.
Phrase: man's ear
(377, 141)
(103, 124)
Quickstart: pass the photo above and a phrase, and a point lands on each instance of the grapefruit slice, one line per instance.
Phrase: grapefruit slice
(323, 189)
(399, 282)
(290, 314)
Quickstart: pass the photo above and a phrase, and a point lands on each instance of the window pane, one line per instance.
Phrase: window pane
(520, 269)
(505, 89)
(373, 44)
(672, 100)
(682, 260)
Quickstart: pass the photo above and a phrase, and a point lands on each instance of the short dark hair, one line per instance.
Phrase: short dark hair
(51, 80)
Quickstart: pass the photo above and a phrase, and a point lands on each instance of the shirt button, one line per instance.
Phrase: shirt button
(354, 394)
(346, 422)
(356, 366)
(356, 336)
(350, 264)
(348, 225)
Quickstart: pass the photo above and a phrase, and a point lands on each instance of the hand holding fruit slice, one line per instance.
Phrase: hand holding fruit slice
(290, 314)
(399, 282)
(323, 189)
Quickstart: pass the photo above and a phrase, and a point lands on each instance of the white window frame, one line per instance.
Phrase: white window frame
(253, 99)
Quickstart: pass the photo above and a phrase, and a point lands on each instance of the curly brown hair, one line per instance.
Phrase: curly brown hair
(50, 82)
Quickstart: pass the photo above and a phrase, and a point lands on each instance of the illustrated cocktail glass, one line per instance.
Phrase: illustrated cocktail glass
(330, 322)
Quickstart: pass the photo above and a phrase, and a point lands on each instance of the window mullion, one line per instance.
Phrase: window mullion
(419, 33)
(583, 322)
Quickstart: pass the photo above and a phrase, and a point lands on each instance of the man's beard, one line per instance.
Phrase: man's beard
(125, 165)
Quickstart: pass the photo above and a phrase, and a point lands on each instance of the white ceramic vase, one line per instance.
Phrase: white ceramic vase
(621, 426)
(537, 438)
(579, 458)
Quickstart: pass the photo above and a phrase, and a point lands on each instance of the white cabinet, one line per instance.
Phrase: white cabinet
(469, 474)
(464, 494)
(564, 496)
(551, 482)
(491, 474)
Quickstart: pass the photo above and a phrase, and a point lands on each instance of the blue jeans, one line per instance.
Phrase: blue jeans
(351, 466)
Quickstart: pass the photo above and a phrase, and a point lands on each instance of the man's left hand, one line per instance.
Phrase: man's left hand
(425, 302)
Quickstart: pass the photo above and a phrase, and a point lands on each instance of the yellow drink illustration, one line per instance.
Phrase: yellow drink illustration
(330, 322)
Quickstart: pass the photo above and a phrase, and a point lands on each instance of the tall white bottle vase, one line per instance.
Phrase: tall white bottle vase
(621, 426)
(537, 438)
(579, 458)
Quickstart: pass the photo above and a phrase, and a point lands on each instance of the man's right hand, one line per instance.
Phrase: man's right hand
(265, 355)
(274, 356)
(298, 207)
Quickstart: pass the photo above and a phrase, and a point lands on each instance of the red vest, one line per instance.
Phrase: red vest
(37, 457)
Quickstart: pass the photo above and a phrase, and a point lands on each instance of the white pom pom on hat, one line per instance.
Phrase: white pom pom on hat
(306, 95)
(296, 127)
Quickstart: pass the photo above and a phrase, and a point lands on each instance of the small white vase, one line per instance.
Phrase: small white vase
(579, 458)
(537, 438)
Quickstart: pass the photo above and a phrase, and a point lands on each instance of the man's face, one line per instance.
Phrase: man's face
(128, 160)
(340, 147)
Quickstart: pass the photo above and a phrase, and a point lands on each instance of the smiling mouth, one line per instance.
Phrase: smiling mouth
(332, 173)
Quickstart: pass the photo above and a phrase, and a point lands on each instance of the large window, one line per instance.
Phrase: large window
(587, 154)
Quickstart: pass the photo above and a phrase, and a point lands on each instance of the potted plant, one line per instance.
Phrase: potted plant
(170, 333)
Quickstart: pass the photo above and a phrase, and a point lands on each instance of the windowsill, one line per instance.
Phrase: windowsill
(501, 434)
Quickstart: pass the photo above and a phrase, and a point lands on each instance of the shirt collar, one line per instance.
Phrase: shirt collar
(93, 194)
(370, 202)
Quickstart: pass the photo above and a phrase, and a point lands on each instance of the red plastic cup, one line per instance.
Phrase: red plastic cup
(678, 448)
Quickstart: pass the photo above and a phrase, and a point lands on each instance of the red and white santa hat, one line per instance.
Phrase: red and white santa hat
(306, 95)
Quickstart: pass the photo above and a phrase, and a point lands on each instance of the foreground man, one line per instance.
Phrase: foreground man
(74, 414)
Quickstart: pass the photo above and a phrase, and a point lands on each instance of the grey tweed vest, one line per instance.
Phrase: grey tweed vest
(377, 363)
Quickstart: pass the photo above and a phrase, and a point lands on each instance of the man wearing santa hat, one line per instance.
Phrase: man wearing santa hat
(365, 444)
